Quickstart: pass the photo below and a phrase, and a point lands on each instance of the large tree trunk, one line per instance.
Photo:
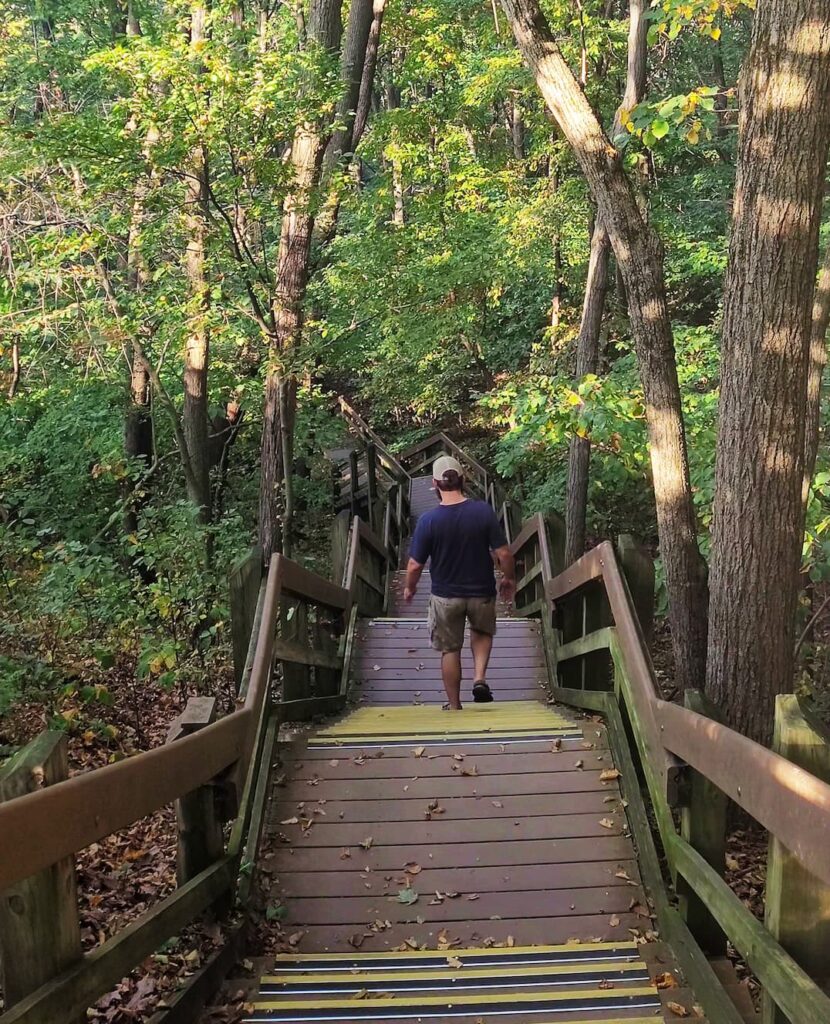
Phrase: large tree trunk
(640, 258)
(197, 344)
(815, 373)
(596, 289)
(768, 298)
(367, 80)
(275, 496)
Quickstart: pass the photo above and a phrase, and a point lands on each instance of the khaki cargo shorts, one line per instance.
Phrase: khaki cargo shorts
(449, 615)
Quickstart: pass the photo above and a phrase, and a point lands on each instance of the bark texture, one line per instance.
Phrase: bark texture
(768, 300)
(277, 453)
(197, 344)
(367, 79)
(815, 373)
(596, 289)
(639, 256)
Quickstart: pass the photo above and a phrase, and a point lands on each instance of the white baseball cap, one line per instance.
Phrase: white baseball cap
(443, 465)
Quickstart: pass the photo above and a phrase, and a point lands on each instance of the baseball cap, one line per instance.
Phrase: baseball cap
(443, 465)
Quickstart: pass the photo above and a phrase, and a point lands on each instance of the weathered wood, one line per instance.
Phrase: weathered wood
(798, 903)
(348, 651)
(68, 996)
(556, 536)
(598, 640)
(258, 805)
(341, 524)
(790, 987)
(40, 932)
(372, 486)
(638, 568)
(588, 700)
(200, 839)
(56, 821)
(787, 800)
(353, 483)
(296, 679)
(294, 579)
(302, 709)
(286, 650)
(697, 969)
(243, 584)
(530, 576)
(703, 826)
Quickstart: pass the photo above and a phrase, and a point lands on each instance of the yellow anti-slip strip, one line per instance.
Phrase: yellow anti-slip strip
(460, 999)
(492, 972)
(430, 737)
(418, 720)
(442, 954)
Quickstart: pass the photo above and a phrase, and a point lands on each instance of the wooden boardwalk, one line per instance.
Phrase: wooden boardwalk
(445, 865)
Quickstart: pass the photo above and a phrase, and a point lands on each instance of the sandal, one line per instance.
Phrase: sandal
(449, 707)
(482, 694)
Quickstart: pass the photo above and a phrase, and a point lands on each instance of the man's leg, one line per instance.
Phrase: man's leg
(451, 675)
(446, 625)
(482, 645)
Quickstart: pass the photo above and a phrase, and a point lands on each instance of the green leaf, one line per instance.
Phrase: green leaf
(276, 913)
(407, 897)
(659, 128)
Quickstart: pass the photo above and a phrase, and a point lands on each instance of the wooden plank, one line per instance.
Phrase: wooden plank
(490, 786)
(58, 820)
(797, 903)
(341, 524)
(519, 851)
(458, 809)
(587, 928)
(305, 584)
(243, 586)
(523, 905)
(440, 832)
(788, 985)
(287, 650)
(703, 821)
(371, 539)
(259, 801)
(348, 655)
(40, 932)
(638, 568)
(521, 878)
(503, 764)
(787, 800)
(589, 700)
(303, 708)
(598, 640)
(530, 576)
(367, 579)
(70, 994)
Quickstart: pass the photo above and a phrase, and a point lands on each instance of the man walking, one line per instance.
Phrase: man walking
(460, 538)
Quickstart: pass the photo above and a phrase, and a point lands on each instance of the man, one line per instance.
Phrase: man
(460, 538)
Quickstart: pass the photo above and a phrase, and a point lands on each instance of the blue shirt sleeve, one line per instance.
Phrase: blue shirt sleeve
(497, 538)
(421, 546)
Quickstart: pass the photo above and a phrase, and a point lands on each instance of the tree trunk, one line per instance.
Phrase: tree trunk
(197, 345)
(640, 257)
(15, 377)
(815, 373)
(367, 80)
(275, 498)
(596, 289)
(768, 298)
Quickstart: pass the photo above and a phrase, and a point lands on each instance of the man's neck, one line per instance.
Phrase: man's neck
(452, 497)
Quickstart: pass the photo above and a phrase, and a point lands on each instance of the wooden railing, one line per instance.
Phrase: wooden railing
(361, 428)
(419, 457)
(692, 766)
(302, 635)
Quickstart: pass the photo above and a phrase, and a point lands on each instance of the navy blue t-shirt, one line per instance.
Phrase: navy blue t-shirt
(458, 540)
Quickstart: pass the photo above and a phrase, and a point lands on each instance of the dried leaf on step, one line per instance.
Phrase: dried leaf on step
(367, 843)
(419, 751)
(345, 853)
(678, 1010)
(290, 821)
(412, 868)
(607, 823)
(614, 921)
(453, 961)
(609, 775)
(666, 980)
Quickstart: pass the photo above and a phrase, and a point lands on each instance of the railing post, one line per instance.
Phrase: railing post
(354, 473)
(340, 545)
(797, 903)
(703, 826)
(638, 568)
(200, 838)
(243, 586)
(40, 933)
(556, 540)
(372, 486)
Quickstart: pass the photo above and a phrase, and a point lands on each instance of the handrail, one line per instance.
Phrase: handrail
(480, 475)
(367, 434)
(791, 803)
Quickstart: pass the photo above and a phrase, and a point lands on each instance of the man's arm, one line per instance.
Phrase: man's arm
(413, 575)
(507, 564)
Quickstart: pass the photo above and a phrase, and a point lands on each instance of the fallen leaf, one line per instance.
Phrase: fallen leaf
(579, 763)
(497, 803)
(614, 921)
(412, 868)
(677, 1009)
(666, 980)
(453, 961)
(605, 984)
(345, 853)
(607, 823)
(290, 821)
(376, 668)
(367, 842)
(609, 775)
(419, 751)
(407, 896)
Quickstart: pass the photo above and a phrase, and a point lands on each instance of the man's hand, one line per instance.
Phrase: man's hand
(408, 594)
(507, 590)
